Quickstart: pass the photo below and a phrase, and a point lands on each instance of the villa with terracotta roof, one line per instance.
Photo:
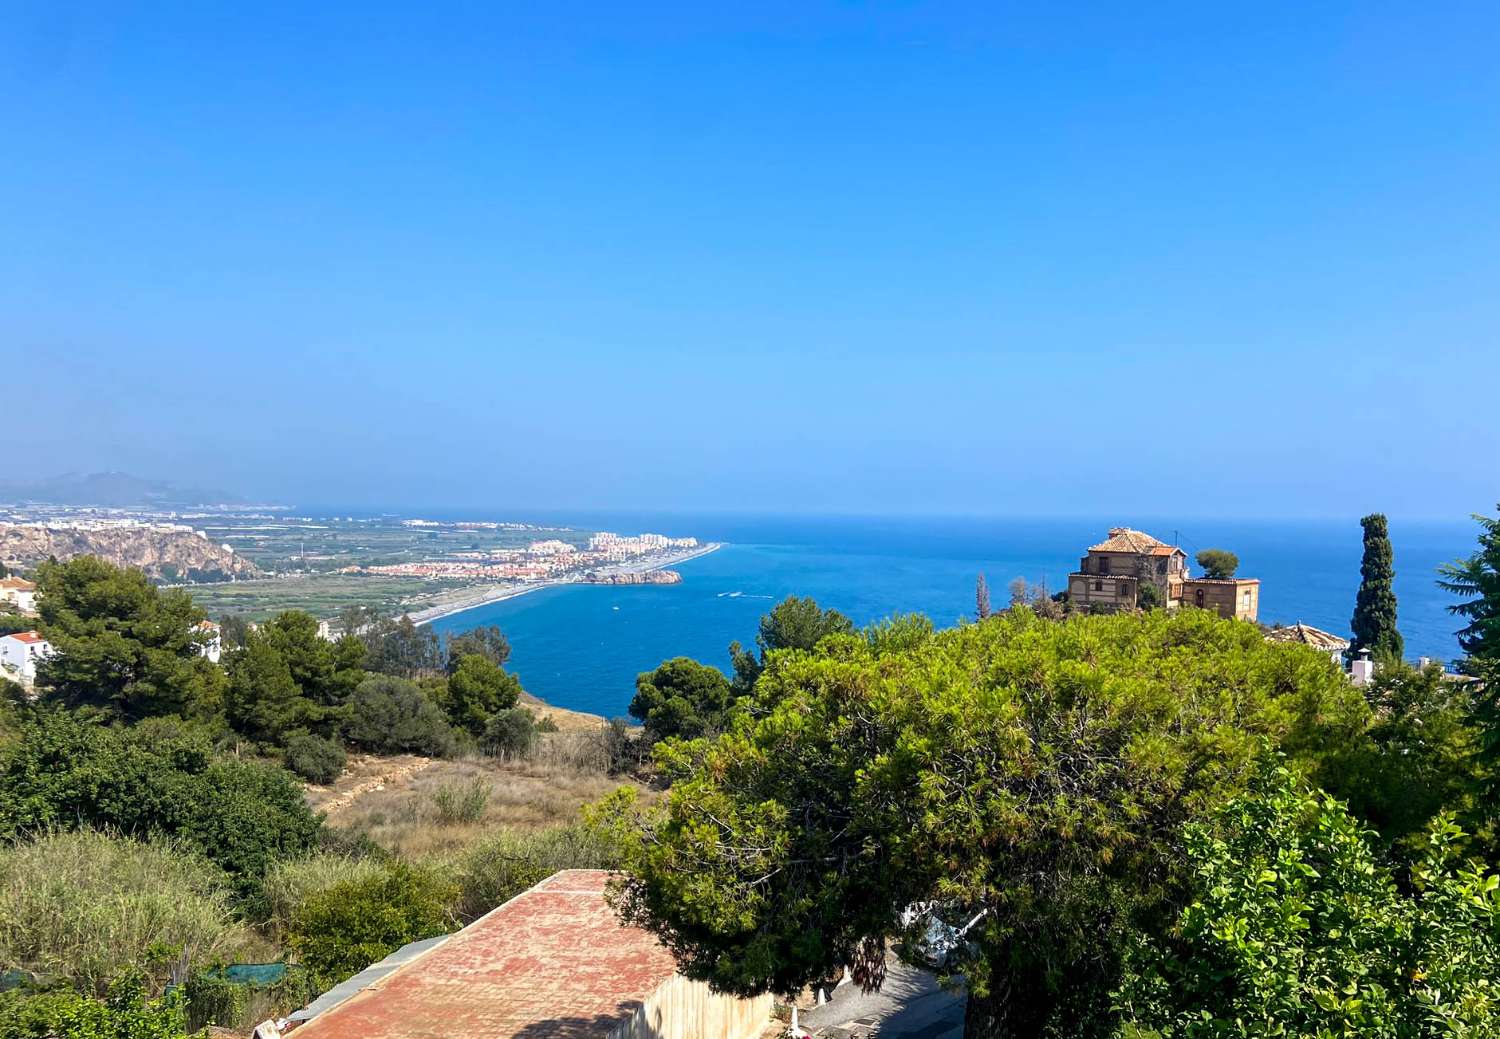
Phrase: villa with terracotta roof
(20, 653)
(1117, 572)
(555, 962)
(18, 592)
(1111, 576)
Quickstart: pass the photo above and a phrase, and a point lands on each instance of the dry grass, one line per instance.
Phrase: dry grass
(564, 719)
(85, 906)
(402, 811)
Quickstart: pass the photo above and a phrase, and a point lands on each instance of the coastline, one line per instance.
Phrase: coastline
(500, 593)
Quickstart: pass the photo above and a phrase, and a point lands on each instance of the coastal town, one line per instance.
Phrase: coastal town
(258, 560)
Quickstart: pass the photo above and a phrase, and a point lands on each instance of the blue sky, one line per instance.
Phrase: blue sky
(1169, 258)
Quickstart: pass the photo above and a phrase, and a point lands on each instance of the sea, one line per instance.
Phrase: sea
(581, 646)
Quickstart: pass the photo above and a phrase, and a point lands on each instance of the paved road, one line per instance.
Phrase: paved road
(910, 1005)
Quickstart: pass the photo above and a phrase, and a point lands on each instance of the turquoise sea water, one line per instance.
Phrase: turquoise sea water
(581, 647)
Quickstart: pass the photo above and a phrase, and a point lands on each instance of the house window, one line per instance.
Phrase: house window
(1198, 595)
(1098, 586)
(1104, 564)
(1161, 566)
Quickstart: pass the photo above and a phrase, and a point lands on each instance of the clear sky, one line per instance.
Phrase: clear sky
(1174, 258)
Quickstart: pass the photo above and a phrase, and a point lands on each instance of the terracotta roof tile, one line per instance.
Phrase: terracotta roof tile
(1308, 635)
(1127, 539)
(552, 963)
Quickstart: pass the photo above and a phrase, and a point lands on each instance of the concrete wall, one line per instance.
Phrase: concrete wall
(683, 1009)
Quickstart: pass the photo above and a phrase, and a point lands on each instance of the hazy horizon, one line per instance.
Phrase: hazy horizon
(811, 259)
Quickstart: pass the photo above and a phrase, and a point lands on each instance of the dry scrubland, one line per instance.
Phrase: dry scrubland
(422, 807)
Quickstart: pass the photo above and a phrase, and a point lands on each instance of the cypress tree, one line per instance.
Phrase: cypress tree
(1374, 622)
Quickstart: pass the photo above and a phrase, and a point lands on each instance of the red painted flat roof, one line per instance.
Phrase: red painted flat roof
(552, 963)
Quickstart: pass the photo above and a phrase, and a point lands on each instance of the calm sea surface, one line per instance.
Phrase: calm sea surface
(581, 647)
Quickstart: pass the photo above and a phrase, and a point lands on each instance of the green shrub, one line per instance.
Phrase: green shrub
(501, 867)
(125, 1013)
(393, 716)
(240, 815)
(511, 733)
(477, 688)
(290, 884)
(461, 802)
(85, 907)
(314, 758)
(342, 929)
(1296, 929)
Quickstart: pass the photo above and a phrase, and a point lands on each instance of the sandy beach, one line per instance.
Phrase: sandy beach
(469, 599)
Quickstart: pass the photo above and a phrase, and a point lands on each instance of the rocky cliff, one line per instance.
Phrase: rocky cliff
(164, 553)
(646, 577)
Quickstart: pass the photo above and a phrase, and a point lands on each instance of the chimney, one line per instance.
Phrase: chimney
(1362, 670)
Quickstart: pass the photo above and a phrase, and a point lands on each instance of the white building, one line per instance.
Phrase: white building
(19, 655)
(19, 593)
(212, 644)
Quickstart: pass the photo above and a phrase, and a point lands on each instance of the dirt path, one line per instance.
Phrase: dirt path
(342, 797)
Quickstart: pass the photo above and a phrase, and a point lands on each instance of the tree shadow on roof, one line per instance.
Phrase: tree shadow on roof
(583, 1027)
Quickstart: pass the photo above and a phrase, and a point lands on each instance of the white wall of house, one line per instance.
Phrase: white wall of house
(19, 657)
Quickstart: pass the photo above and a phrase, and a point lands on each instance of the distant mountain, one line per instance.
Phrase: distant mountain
(114, 490)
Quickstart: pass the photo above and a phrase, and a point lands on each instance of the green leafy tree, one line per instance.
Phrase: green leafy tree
(1295, 930)
(1476, 581)
(794, 623)
(487, 642)
(394, 716)
(403, 648)
(477, 690)
(341, 930)
(122, 645)
(264, 702)
(234, 630)
(1217, 563)
(681, 698)
(1026, 775)
(1374, 622)
(354, 620)
(1419, 759)
(325, 672)
(66, 773)
(1148, 596)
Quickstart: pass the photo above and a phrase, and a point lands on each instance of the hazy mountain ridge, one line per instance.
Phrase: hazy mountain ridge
(112, 490)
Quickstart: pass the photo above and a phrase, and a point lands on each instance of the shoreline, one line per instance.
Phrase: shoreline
(500, 593)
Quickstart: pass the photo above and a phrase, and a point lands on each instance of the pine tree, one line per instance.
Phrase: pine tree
(1476, 580)
(982, 598)
(1374, 621)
